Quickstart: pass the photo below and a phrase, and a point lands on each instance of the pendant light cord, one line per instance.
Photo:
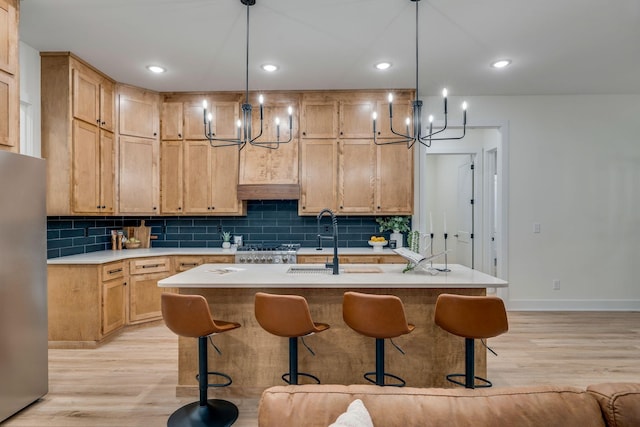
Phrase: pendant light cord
(417, 65)
(247, 59)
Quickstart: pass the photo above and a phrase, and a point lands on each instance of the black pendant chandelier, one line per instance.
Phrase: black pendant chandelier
(413, 127)
(245, 135)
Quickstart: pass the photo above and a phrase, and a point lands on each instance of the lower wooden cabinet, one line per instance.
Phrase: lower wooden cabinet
(144, 293)
(88, 304)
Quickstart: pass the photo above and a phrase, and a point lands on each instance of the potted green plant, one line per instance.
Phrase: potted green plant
(396, 224)
(226, 240)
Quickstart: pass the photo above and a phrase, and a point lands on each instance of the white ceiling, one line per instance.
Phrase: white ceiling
(557, 46)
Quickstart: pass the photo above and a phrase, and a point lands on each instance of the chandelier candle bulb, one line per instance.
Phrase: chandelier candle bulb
(374, 116)
(444, 95)
(407, 122)
(204, 107)
(290, 111)
(277, 128)
(464, 113)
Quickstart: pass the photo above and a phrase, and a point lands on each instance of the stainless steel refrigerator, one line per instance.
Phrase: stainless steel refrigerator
(23, 282)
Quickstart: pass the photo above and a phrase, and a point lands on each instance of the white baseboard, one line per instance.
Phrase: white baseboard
(573, 305)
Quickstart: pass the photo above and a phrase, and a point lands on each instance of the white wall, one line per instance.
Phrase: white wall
(574, 167)
(29, 101)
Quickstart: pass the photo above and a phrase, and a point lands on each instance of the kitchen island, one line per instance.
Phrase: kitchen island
(256, 359)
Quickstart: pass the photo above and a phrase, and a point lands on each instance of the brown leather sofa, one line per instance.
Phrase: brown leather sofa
(602, 405)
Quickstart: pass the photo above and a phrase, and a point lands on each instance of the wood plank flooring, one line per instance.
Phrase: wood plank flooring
(131, 380)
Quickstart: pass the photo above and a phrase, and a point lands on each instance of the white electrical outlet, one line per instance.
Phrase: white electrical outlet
(536, 227)
(556, 284)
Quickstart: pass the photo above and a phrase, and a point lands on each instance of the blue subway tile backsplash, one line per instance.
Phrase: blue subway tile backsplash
(267, 221)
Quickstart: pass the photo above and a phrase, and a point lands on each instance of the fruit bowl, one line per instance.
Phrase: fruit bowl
(377, 246)
(132, 245)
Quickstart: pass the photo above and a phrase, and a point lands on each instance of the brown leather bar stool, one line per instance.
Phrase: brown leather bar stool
(380, 317)
(189, 316)
(288, 316)
(471, 317)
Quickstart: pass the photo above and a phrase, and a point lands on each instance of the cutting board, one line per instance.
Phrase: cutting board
(143, 233)
(363, 269)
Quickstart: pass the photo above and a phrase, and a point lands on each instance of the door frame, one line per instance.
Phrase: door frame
(420, 218)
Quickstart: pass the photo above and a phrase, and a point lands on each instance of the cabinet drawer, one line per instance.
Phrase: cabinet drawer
(112, 271)
(149, 265)
(184, 263)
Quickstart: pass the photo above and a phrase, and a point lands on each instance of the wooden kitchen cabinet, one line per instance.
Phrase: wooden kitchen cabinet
(144, 293)
(139, 149)
(211, 179)
(86, 303)
(114, 297)
(318, 175)
(93, 169)
(171, 177)
(77, 138)
(394, 180)
(340, 166)
(264, 166)
(9, 89)
(171, 122)
(187, 262)
(224, 115)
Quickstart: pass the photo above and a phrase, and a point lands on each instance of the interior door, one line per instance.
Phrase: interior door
(464, 216)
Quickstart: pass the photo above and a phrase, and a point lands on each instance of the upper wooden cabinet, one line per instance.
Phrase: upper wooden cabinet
(211, 179)
(139, 150)
(77, 119)
(93, 99)
(265, 172)
(9, 90)
(224, 115)
(340, 166)
(9, 36)
(171, 122)
(138, 112)
(171, 177)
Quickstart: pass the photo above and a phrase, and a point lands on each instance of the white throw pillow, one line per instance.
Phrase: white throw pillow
(356, 416)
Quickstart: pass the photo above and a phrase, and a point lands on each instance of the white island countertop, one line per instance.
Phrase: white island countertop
(351, 276)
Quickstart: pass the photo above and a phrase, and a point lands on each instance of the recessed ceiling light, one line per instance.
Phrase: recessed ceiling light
(383, 65)
(156, 69)
(270, 68)
(501, 63)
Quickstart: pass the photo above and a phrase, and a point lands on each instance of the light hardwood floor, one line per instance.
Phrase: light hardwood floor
(131, 380)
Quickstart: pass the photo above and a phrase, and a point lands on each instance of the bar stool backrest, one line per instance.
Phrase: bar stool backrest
(376, 316)
(284, 315)
(471, 316)
(187, 315)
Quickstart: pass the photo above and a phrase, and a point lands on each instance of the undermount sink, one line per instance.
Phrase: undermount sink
(294, 269)
(312, 269)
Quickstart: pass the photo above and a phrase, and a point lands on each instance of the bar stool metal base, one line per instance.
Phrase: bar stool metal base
(215, 413)
(291, 377)
(285, 378)
(379, 372)
(469, 366)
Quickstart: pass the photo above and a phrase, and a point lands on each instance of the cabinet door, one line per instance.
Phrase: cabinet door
(224, 180)
(171, 174)
(8, 37)
(197, 173)
(144, 297)
(319, 119)
(107, 172)
(139, 114)
(171, 123)
(356, 119)
(401, 111)
(139, 191)
(318, 175)
(9, 104)
(107, 105)
(224, 115)
(86, 95)
(264, 166)
(86, 168)
(394, 185)
(113, 315)
(357, 169)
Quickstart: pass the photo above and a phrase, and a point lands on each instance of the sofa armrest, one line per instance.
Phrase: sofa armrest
(619, 402)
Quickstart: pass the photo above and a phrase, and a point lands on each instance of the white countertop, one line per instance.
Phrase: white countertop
(276, 276)
(102, 257)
